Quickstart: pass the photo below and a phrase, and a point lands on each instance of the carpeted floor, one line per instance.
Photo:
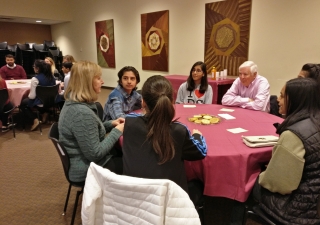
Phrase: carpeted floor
(33, 186)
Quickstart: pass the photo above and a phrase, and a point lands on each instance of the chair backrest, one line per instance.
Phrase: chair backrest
(64, 157)
(30, 44)
(4, 96)
(38, 47)
(100, 110)
(54, 136)
(3, 45)
(318, 206)
(274, 107)
(47, 95)
(12, 48)
(48, 44)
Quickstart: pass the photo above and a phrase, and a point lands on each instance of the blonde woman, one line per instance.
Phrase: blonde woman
(80, 129)
(68, 58)
(54, 71)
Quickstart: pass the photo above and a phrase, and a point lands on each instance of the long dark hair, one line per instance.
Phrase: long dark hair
(157, 93)
(44, 68)
(302, 101)
(204, 80)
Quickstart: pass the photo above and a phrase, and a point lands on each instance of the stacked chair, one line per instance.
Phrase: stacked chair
(3, 52)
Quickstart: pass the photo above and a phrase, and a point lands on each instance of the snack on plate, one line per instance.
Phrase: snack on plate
(214, 120)
(192, 119)
(205, 122)
(207, 117)
(204, 119)
(197, 121)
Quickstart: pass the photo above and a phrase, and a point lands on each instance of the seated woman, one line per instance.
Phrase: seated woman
(43, 78)
(8, 106)
(80, 130)
(154, 146)
(124, 98)
(291, 181)
(54, 71)
(196, 89)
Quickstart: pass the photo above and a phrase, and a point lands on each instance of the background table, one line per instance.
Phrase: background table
(219, 87)
(18, 91)
(230, 167)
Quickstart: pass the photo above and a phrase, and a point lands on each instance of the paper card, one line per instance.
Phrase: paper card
(226, 116)
(226, 110)
(189, 106)
(237, 130)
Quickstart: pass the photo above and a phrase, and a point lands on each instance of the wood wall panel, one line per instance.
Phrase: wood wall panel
(22, 32)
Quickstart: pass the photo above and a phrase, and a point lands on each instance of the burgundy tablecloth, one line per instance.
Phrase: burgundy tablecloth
(18, 91)
(230, 168)
(177, 80)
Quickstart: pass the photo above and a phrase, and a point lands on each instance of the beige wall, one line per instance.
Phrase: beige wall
(21, 33)
(284, 35)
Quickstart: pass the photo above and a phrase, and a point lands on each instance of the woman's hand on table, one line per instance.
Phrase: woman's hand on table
(119, 124)
(117, 121)
(196, 131)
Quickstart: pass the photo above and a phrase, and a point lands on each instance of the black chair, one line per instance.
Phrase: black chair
(12, 49)
(274, 107)
(4, 96)
(3, 53)
(54, 136)
(258, 215)
(25, 57)
(100, 110)
(3, 45)
(39, 51)
(47, 95)
(30, 45)
(48, 44)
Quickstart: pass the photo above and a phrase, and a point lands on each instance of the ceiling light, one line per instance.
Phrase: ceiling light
(38, 21)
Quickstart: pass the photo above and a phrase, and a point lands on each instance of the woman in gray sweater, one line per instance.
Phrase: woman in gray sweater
(81, 131)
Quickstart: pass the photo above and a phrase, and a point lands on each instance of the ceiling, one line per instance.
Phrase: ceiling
(28, 20)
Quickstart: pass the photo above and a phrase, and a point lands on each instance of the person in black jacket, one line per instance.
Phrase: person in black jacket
(155, 146)
(291, 182)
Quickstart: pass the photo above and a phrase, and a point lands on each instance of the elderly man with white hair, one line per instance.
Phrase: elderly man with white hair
(249, 90)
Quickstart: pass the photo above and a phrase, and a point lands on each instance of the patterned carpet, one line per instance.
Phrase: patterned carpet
(33, 186)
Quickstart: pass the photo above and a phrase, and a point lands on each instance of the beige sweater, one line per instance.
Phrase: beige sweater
(284, 171)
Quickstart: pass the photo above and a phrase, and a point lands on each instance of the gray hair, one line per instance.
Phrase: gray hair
(251, 64)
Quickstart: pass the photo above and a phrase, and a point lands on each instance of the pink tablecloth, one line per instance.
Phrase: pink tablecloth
(18, 89)
(219, 87)
(230, 168)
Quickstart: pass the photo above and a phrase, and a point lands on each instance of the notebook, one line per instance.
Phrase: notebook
(260, 141)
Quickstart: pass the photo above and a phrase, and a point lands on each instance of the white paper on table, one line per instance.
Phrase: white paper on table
(226, 110)
(237, 130)
(189, 106)
(226, 116)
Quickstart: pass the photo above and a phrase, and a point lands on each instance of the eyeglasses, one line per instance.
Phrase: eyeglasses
(196, 71)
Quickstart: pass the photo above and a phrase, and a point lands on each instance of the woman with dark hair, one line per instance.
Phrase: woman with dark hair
(124, 98)
(155, 146)
(310, 70)
(291, 182)
(43, 77)
(8, 106)
(196, 89)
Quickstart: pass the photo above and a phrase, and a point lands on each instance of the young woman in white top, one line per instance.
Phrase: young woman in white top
(196, 89)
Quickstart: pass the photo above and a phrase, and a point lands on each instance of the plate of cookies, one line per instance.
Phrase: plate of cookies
(204, 119)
